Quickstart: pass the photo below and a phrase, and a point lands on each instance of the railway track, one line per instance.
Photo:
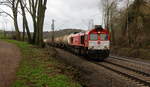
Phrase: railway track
(120, 66)
(130, 60)
(130, 69)
(136, 66)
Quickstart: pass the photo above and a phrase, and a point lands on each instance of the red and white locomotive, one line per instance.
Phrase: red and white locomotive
(94, 43)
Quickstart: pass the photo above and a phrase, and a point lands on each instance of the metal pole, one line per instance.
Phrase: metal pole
(89, 25)
(92, 22)
(5, 28)
(53, 28)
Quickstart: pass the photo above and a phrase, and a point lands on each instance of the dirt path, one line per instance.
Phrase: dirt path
(9, 61)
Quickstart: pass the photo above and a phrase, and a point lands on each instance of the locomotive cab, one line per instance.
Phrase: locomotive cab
(98, 42)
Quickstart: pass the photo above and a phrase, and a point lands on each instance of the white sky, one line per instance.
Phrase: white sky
(67, 14)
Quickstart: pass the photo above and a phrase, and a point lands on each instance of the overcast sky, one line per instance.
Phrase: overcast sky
(66, 13)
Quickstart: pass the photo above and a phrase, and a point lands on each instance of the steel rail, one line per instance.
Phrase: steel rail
(130, 60)
(132, 77)
(131, 69)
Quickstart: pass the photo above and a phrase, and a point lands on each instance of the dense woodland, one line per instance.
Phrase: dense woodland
(129, 25)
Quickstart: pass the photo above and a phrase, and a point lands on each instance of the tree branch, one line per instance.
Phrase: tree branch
(7, 14)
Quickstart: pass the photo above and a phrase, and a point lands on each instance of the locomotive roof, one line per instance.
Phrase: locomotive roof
(88, 32)
(94, 30)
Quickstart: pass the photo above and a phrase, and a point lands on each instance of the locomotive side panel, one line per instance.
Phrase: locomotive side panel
(77, 40)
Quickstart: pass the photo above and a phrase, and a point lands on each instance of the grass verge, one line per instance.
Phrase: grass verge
(39, 69)
(131, 52)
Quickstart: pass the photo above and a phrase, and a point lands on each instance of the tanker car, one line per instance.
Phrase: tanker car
(94, 43)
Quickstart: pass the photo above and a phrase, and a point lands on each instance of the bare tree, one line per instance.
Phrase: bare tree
(37, 10)
(32, 9)
(25, 22)
(13, 4)
(113, 14)
(40, 21)
(138, 18)
(109, 9)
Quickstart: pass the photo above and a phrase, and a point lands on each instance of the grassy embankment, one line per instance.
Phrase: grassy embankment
(39, 69)
(142, 53)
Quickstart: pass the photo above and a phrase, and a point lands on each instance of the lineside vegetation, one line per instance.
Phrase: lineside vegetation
(39, 69)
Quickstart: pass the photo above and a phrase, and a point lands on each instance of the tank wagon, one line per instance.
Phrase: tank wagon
(94, 43)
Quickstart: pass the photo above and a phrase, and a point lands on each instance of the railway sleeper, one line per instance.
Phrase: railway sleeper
(132, 77)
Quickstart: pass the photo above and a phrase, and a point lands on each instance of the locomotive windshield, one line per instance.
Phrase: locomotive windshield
(93, 37)
(104, 36)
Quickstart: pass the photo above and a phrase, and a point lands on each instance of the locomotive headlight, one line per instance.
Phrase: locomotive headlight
(106, 47)
(92, 47)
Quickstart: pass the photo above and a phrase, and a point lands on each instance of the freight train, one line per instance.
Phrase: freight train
(94, 43)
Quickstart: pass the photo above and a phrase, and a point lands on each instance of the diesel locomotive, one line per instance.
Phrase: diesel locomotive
(94, 43)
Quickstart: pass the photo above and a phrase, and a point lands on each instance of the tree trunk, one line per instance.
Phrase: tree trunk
(25, 23)
(37, 11)
(35, 28)
(18, 36)
(15, 14)
(111, 28)
(23, 36)
(40, 22)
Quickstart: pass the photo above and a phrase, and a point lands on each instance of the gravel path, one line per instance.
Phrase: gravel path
(9, 61)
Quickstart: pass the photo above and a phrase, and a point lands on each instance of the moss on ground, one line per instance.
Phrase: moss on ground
(39, 69)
